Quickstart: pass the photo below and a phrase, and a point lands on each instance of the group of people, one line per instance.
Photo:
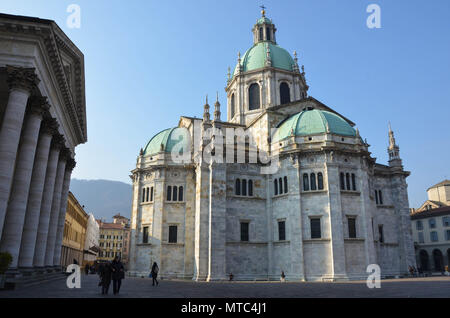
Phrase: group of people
(111, 271)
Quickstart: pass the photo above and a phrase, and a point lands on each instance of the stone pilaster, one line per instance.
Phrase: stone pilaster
(21, 82)
(35, 195)
(217, 221)
(56, 206)
(201, 223)
(336, 224)
(134, 222)
(15, 215)
(62, 212)
(46, 205)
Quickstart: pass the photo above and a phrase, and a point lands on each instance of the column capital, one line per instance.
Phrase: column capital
(58, 142)
(38, 105)
(71, 163)
(50, 126)
(21, 77)
(65, 154)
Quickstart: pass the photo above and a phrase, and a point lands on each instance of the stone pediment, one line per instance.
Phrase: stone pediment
(64, 58)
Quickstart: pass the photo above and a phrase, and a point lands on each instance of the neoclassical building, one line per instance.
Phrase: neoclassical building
(42, 120)
(315, 204)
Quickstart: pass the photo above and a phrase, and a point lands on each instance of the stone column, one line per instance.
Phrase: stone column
(15, 213)
(62, 212)
(46, 205)
(30, 228)
(21, 83)
(56, 206)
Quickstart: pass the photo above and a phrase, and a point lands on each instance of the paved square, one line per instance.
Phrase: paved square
(142, 288)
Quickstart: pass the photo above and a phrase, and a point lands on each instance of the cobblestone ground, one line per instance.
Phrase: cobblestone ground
(142, 288)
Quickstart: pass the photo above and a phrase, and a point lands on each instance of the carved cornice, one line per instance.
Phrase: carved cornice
(22, 78)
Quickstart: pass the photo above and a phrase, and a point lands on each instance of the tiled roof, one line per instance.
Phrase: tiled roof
(430, 213)
(442, 183)
(111, 226)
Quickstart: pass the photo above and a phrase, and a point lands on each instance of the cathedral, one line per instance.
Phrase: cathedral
(314, 204)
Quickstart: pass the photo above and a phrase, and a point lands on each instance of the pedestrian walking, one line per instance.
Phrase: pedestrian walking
(105, 276)
(283, 277)
(118, 273)
(155, 270)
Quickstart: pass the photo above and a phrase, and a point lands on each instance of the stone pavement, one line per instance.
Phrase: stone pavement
(142, 288)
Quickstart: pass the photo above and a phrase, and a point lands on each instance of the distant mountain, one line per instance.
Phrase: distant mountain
(103, 198)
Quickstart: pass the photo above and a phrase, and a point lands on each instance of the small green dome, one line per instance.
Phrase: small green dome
(311, 122)
(168, 138)
(255, 57)
(264, 20)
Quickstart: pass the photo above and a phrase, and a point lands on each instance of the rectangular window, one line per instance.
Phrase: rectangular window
(421, 238)
(315, 228)
(419, 225)
(244, 231)
(432, 223)
(145, 236)
(434, 236)
(351, 227)
(151, 194)
(447, 235)
(380, 233)
(281, 230)
(446, 221)
(172, 234)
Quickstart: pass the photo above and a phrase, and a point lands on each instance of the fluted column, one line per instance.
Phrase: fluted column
(62, 212)
(30, 228)
(46, 205)
(21, 83)
(15, 213)
(56, 205)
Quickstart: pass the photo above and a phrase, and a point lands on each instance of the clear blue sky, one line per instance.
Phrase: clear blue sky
(148, 62)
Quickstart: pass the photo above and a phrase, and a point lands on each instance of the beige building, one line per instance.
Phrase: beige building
(114, 239)
(431, 229)
(74, 235)
(42, 120)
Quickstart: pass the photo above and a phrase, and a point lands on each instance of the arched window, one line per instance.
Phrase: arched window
(275, 185)
(232, 106)
(280, 182)
(143, 194)
(175, 194)
(147, 195)
(353, 182)
(380, 197)
(261, 34)
(342, 180)
(169, 193)
(250, 188)
(180, 194)
(305, 182)
(244, 187)
(237, 187)
(151, 194)
(253, 97)
(320, 181)
(268, 34)
(312, 178)
(285, 185)
(347, 180)
(285, 96)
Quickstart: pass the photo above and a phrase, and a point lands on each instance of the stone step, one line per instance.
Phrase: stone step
(25, 281)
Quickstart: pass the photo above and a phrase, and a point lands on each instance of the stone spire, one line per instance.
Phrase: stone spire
(206, 117)
(217, 108)
(296, 68)
(393, 149)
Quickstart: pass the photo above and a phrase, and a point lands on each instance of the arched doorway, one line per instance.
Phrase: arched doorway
(423, 255)
(438, 260)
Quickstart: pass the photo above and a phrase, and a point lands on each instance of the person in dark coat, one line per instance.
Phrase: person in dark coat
(155, 270)
(118, 273)
(105, 275)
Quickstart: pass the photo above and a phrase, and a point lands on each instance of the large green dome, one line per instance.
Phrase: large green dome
(255, 57)
(311, 122)
(168, 138)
